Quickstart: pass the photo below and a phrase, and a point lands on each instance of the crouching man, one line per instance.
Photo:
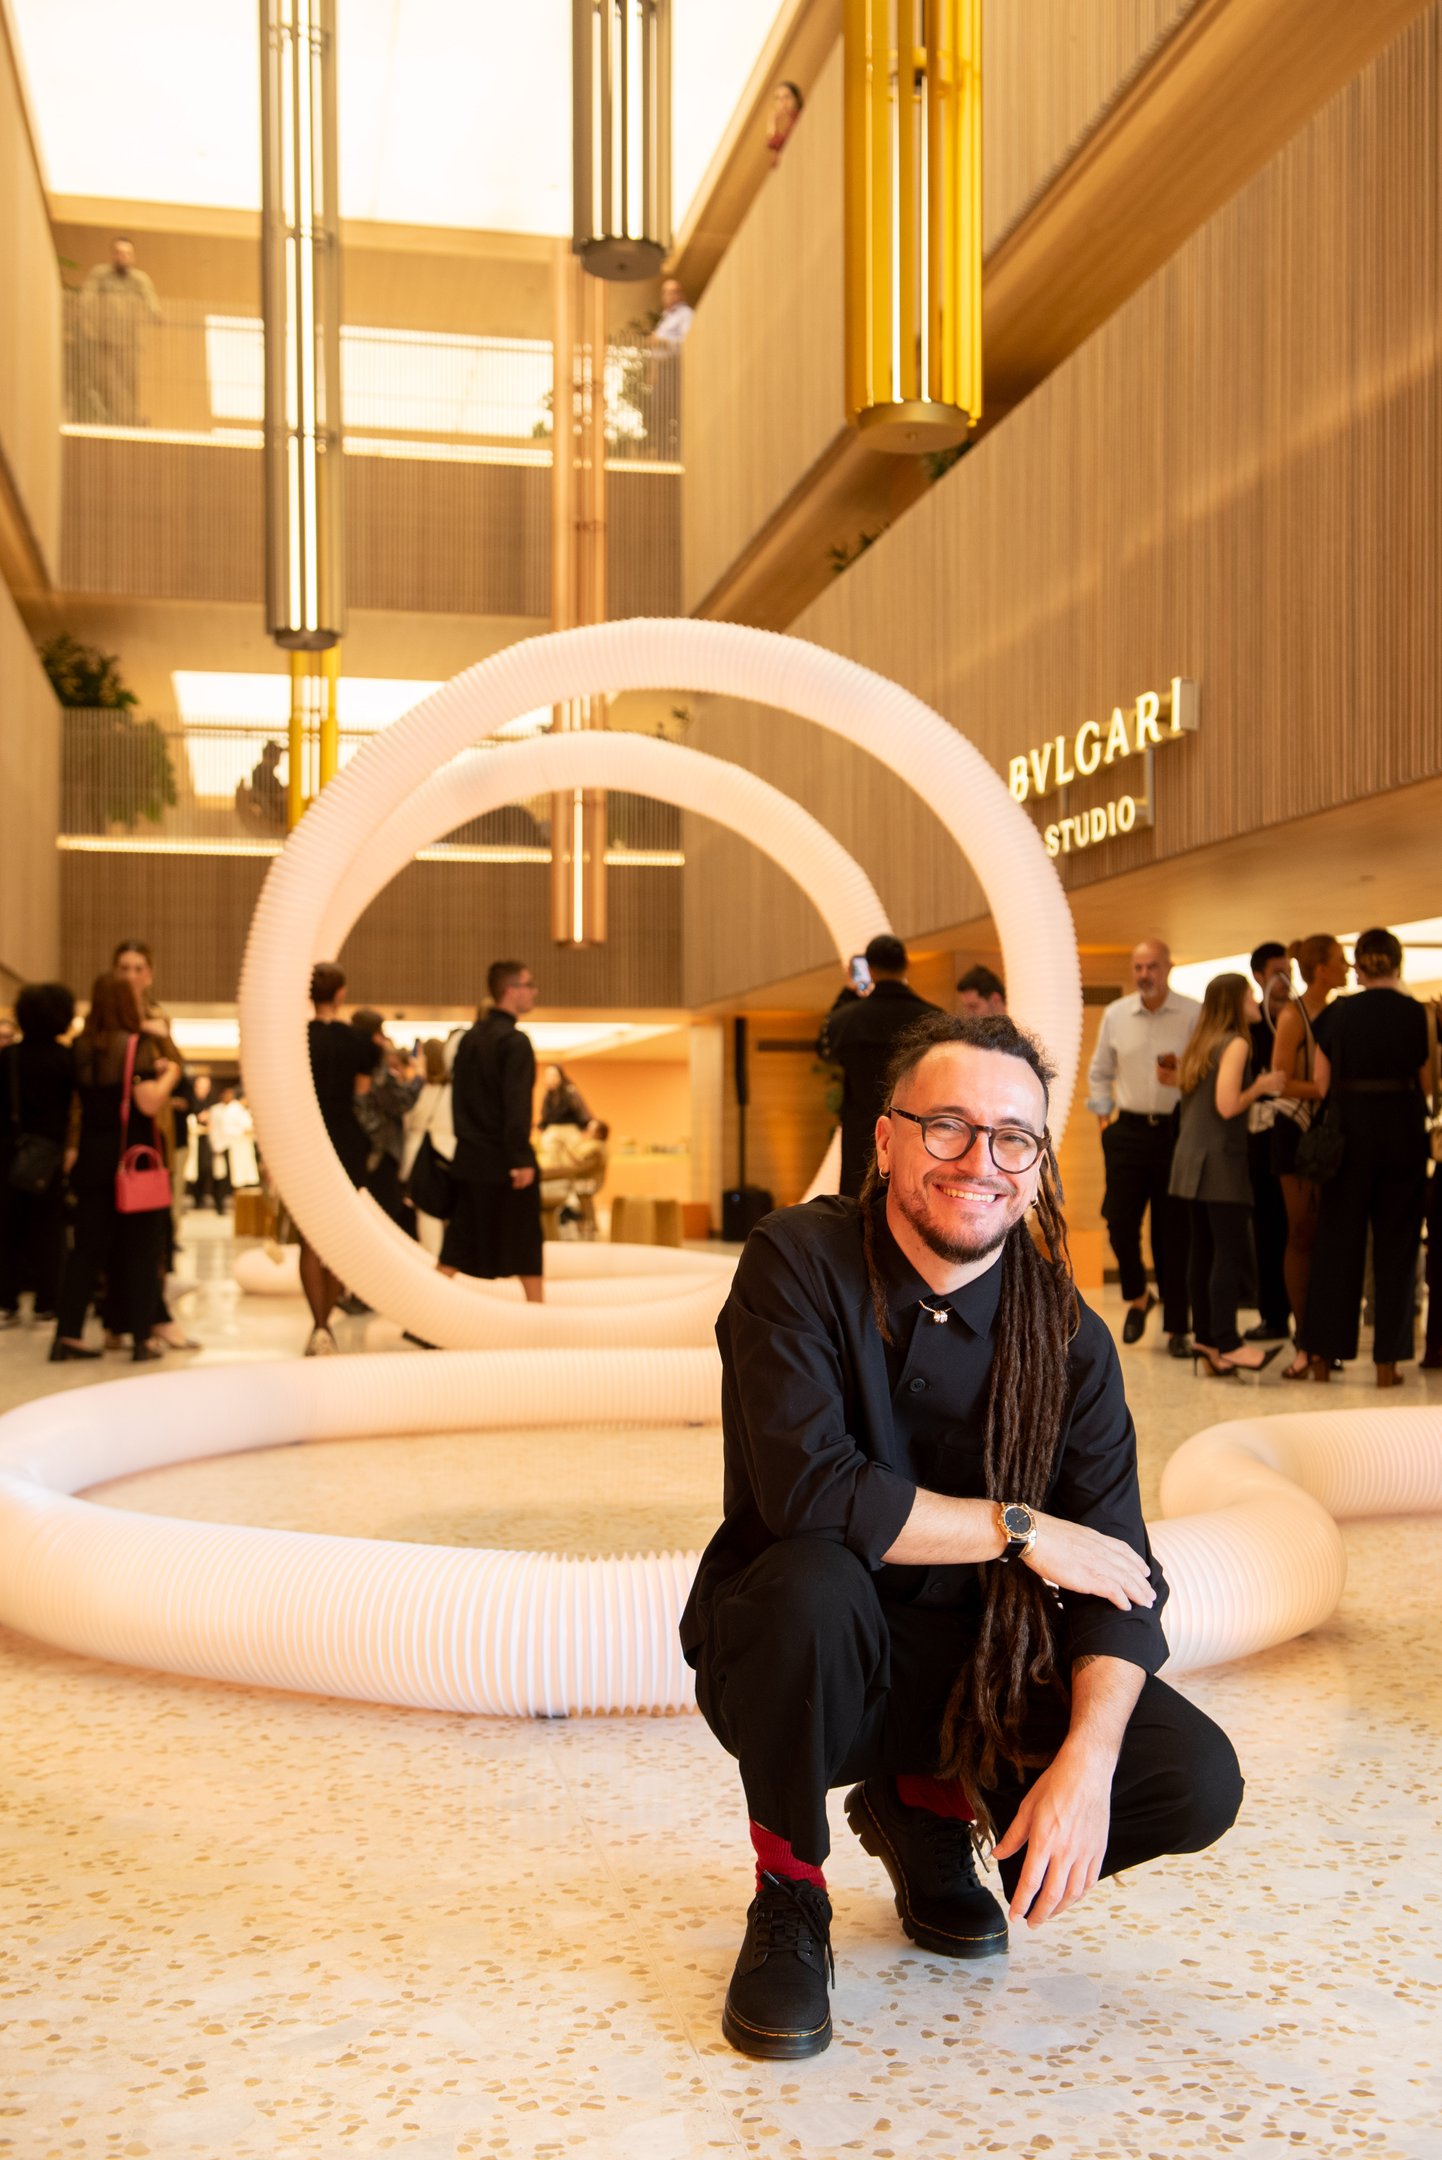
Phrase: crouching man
(933, 1582)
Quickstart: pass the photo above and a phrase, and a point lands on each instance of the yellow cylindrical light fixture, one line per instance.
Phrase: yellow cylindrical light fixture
(300, 306)
(621, 135)
(579, 816)
(913, 221)
(330, 715)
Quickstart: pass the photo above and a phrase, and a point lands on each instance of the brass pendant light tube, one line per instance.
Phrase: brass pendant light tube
(300, 304)
(913, 220)
(621, 136)
(578, 590)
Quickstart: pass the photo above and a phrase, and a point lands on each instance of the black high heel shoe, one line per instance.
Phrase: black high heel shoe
(1215, 1363)
(142, 1354)
(62, 1352)
(1230, 1364)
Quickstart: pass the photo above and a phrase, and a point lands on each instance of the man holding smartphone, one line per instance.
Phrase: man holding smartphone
(859, 1034)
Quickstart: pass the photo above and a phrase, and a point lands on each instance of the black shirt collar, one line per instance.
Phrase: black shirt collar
(974, 1304)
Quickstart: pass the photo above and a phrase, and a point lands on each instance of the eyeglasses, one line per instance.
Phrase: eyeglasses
(1011, 1147)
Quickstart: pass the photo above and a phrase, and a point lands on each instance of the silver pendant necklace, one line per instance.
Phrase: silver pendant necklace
(939, 1314)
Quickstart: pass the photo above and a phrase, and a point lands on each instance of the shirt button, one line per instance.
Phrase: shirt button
(917, 1386)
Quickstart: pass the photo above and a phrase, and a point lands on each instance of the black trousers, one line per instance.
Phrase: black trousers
(128, 1250)
(1220, 1260)
(1269, 1231)
(1434, 1263)
(32, 1245)
(212, 1176)
(1382, 1185)
(1138, 1158)
(810, 1681)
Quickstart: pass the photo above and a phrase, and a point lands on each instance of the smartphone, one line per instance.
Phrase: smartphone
(860, 974)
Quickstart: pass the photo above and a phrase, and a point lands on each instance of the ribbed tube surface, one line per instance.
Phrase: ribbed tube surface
(517, 1633)
(317, 879)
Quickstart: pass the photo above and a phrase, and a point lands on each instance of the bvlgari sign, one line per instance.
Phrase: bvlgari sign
(1136, 731)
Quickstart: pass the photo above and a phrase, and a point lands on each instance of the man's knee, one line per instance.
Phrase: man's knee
(1207, 1789)
(807, 1586)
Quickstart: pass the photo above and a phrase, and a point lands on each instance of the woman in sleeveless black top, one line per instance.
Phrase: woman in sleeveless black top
(127, 1249)
(1296, 1053)
(1210, 1173)
(1375, 1058)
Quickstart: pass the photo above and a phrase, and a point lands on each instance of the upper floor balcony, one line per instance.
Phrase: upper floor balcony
(448, 440)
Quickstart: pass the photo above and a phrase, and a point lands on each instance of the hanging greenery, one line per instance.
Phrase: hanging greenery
(115, 769)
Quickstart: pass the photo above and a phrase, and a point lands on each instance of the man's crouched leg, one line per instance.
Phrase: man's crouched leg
(811, 1682)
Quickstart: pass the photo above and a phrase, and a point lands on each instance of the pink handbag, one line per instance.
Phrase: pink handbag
(142, 1182)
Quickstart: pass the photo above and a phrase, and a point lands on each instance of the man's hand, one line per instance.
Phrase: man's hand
(1065, 1819)
(520, 1179)
(1063, 1822)
(1075, 1558)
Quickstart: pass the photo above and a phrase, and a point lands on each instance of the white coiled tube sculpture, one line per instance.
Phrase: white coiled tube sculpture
(525, 1633)
(366, 819)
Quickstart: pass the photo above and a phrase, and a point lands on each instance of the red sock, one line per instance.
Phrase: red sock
(939, 1796)
(774, 1855)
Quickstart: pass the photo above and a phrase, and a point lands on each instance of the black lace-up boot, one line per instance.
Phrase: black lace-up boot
(932, 1864)
(776, 2005)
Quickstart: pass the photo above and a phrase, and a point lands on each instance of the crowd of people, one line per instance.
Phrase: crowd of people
(104, 1136)
(1277, 1135)
(1203, 1109)
(442, 1138)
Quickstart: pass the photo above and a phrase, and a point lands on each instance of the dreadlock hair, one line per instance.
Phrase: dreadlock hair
(1037, 1316)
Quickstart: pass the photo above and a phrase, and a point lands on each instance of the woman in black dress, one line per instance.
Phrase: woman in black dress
(1375, 1058)
(127, 1249)
(340, 1061)
(1210, 1172)
(1296, 1054)
(37, 1080)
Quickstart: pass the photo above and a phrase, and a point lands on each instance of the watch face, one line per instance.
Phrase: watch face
(1017, 1520)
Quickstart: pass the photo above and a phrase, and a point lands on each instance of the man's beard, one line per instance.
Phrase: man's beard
(953, 1249)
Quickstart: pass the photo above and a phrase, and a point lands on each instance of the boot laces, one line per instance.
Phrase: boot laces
(783, 1919)
(950, 1844)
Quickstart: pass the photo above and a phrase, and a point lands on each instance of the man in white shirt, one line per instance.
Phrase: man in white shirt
(1132, 1088)
(675, 319)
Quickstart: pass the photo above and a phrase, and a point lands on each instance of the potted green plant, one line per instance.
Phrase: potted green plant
(115, 769)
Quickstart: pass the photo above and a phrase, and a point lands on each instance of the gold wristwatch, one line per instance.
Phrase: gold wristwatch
(1017, 1524)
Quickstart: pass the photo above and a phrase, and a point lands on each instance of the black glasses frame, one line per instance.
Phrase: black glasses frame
(949, 1117)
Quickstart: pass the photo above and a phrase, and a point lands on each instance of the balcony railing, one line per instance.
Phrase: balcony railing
(194, 372)
(187, 786)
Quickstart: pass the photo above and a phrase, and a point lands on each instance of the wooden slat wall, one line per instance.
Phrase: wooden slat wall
(426, 940)
(30, 337)
(1050, 68)
(763, 363)
(30, 810)
(1237, 479)
(787, 1123)
(762, 384)
(182, 521)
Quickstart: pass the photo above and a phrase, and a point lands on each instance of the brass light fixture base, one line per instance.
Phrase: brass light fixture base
(912, 426)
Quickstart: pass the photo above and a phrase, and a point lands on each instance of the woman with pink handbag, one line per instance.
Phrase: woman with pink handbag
(118, 1178)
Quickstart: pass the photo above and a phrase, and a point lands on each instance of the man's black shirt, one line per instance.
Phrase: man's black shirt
(828, 1433)
(492, 1086)
(859, 1034)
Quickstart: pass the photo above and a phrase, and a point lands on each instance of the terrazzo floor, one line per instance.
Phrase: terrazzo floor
(241, 1924)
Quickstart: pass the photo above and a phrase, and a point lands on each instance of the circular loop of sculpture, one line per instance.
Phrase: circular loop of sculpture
(525, 1633)
(314, 883)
